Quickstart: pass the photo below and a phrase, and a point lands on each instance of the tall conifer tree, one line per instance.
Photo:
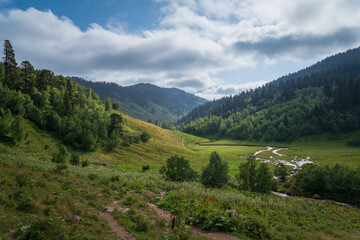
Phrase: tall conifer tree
(10, 65)
(28, 75)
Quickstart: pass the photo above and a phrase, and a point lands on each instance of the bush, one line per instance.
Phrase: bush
(178, 169)
(75, 159)
(23, 202)
(60, 157)
(145, 168)
(115, 178)
(60, 167)
(24, 181)
(215, 174)
(85, 163)
(145, 137)
(44, 229)
(355, 140)
(93, 176)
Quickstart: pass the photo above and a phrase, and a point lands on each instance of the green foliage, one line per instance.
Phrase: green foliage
(115, 178)
(263, 179)
(209, 214)
(93, 176)
(24, 181)
(61, 156)
(145, 168)
(339, 183)
(41, 229)
(145, 137)
(85, 163)
(146, 101)
(276, 112)
(23, 202)
(116, 105)
(75, 159)
(215, 174)
(60, 167)
(355, 140)
(253, 178)
(280, 171)
(247, 172)
(178, 169)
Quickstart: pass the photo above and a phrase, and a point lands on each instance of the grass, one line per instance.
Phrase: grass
(83, 191)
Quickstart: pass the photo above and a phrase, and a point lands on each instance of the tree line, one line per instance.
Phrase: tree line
(283, 110)
(57, 104)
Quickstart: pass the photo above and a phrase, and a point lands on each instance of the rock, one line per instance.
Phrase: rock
(108, 210)
(76, 218)
(316, 196)
(124, 210)
(23, 228)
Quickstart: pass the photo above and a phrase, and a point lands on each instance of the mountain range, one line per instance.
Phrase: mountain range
(145, 101)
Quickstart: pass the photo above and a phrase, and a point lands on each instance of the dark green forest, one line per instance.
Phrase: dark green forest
(57, 104)
(147, 101)
(284, 110)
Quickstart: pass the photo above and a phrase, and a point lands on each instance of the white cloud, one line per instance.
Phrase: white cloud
(194, 41)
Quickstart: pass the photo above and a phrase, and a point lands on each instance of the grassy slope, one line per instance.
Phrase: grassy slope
(326, 221)
(160, 113)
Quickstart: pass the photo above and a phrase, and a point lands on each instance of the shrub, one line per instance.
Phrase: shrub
(24, 181)
(178, 169)
(115, 178)
(93, 176)
(60, 167)
(145, 168)
(23, 202)
(60, 157)
(145, 137)
(85, 163)
(215, 174)
(75, 159)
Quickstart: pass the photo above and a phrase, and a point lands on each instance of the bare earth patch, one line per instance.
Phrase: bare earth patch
(121, 233)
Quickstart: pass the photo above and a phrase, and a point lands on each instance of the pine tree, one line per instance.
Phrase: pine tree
(28, 75)
(108, 105)
(44, 79)
(10, 65)
(68, 97)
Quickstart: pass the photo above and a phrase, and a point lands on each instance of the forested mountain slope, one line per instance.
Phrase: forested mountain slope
(326, 64)
(72, 113)
(147, 101)
(326, 101)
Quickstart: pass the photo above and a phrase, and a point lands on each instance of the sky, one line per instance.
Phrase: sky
(211, 48)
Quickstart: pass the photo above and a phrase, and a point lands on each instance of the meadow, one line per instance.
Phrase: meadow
(34, 194)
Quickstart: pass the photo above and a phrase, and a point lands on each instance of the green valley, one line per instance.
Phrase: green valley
(75, 167)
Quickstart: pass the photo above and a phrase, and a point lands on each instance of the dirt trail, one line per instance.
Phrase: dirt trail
(121, 233)
(183, 144)
(197, 231)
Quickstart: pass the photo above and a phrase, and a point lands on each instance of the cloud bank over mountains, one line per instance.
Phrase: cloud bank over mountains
(194, 41)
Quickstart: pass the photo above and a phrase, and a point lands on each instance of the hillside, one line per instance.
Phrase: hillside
(326, 64)
(72, 167)
(147, 101)
(323, 102)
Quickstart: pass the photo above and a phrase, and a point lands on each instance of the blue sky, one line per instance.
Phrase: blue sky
(208, 47)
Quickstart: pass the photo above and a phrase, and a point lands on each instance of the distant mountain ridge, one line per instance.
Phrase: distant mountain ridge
(325, 64)
(323, 98)
(146, 101)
